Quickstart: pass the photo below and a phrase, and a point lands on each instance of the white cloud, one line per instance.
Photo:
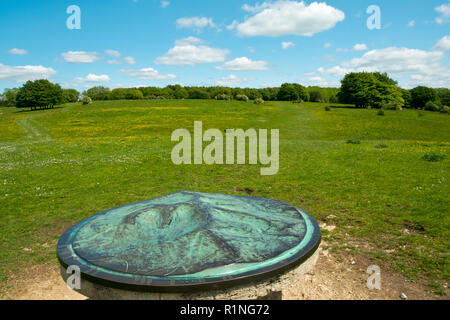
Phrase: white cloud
(195, 22)
(24, 73)
(114, 61)
(287, 45)
(336, 71)
(130, 60)
(422, 67)
(93, 78)
(244, 64)
(327, 45)
(443, 44)
(188, 41)
(230, 80)
(233, 25)
(189, 51)
(444, 11)
(80, 56)
(322, 82)
(360, 47)
(147, 74)
(113, 53)
(18, 51)
(289, 18)
(165, 4)
(256, 8)
(411, 23)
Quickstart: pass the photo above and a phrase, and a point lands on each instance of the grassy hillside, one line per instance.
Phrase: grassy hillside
(387, 202)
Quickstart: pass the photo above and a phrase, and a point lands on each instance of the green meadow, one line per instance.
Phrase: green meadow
(383, 181)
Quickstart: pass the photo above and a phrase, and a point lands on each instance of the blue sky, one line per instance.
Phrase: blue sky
(126, 43)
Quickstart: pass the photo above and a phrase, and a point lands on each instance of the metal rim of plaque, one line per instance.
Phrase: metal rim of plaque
(67, 256)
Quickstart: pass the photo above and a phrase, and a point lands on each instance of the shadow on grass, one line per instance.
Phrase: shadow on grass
(344, 107)
(29, 110)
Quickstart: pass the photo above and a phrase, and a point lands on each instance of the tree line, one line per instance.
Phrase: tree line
(286, 92)
(362, 89)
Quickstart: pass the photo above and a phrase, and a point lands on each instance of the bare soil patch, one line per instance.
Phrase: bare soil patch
(335, 277)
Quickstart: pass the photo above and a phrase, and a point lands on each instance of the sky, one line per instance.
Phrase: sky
(133, 43)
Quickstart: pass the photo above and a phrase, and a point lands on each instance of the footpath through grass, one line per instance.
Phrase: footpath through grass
(386, 201)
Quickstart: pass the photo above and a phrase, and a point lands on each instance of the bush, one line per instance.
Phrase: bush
(259, 101)
(353, 141)
(431, 106)
(198, 93)
(421, 95)
(86, 100)
(392, 106)
(433, 157)
(381, 146)
(327, 108)
(445, 109)
(380, 112)
(223, 96)
(242, 97)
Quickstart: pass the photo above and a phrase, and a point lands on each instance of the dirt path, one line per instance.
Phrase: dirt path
(33, 131)
(333, 277)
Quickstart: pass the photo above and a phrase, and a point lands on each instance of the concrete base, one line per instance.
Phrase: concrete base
(269, 289)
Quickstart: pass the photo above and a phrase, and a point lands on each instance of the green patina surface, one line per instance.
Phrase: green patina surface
(188, 235)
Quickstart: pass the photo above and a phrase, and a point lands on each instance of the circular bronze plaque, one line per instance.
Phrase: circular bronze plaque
(188, 241)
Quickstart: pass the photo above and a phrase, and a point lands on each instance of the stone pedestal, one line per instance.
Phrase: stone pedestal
(269, 289)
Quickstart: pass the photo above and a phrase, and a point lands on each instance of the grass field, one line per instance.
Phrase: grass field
(387, 202)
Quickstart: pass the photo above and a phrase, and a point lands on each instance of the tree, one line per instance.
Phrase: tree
(219, 91)
(301, 91)
(237, 92)
(181, 93)
(383, 77)
(269, 94)
(167, 93)
(198, 93)
(383, 93)
(365, 89)
(421, 95)
(287, 93)
(315, 96)
(355, 89)
(39, 94)
(70, 95)
(406, 94)
(252, 94)
(134, 94)
(118, 94)
(10, 96)
(98, 93)
(444, 96)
